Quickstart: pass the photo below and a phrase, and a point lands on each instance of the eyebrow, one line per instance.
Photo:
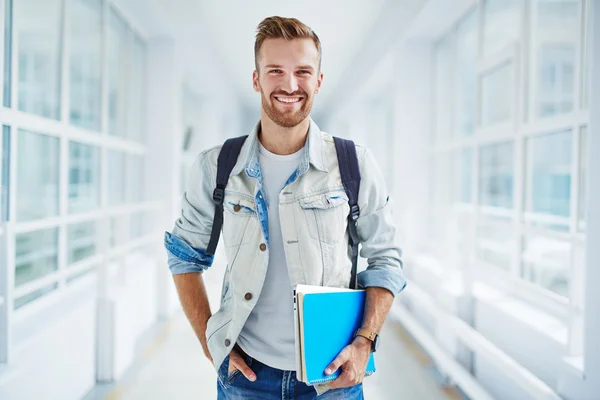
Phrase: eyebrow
(279, 66)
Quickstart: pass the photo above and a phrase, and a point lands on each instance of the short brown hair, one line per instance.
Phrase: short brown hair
(286, 28)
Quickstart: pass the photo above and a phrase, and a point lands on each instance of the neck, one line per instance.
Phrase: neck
(280, 140)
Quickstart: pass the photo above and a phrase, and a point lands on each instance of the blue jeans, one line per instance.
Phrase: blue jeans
(273, 384)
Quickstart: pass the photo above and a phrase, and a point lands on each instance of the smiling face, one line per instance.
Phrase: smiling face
(288, 78)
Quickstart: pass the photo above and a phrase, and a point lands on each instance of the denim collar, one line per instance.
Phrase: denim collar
(248, 158)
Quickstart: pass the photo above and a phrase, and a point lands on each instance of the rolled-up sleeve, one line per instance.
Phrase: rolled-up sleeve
(377, 231)
(186, 244)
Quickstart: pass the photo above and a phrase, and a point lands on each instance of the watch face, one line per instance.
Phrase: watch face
(376, 343)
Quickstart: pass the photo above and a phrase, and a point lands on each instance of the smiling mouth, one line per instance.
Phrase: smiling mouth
(288, 100)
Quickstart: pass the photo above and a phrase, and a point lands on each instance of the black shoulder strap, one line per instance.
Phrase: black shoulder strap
(225, 163)
(348, 162)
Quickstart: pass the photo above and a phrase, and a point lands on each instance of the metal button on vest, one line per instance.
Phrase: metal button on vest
(237, 208)
(227, 342)
(248, 296)
(263, 247)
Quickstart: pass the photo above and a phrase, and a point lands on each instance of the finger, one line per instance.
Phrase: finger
(241, 365)
(342, 381)
(338, 362)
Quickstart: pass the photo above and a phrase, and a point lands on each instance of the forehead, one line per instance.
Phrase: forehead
(289, 52)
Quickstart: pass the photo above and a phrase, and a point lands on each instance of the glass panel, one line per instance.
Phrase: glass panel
(547, 262)
(137, 227)
(467, 75)
(135, 178)
(118, 60)
(85, 64)
(37, 176)
(8, 33)
(5, 171)
(137, 89)
(496, 95)
(554, 35)
(80, 274)
(464, 175)
(36, 255)
(28, 298)
(116, 177)
(81, 241)
(84, 177)
(585, 51)
(496, 243)
(549, 174)
(496, 174)
(583, 177)
(38, 35)
(502, 20)
(443, 87)
(114, 224)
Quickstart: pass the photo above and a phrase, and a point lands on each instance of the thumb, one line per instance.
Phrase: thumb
(240, 364)
(338, 362)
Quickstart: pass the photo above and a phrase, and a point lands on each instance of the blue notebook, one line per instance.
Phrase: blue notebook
(326, 319)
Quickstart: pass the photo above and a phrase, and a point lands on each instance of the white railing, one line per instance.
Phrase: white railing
(471, 338)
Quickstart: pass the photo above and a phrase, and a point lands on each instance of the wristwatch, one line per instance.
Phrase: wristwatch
(372, 336)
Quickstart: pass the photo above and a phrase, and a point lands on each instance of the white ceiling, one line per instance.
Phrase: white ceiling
(217, 39)
(227, 30)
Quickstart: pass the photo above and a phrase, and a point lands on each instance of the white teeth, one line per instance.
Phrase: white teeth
(284, 100)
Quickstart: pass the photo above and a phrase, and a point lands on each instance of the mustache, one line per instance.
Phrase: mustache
(297, 93)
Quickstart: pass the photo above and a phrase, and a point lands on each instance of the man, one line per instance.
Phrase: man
(284, 224)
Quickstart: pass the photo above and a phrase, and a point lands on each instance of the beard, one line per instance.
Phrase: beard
(290, 117)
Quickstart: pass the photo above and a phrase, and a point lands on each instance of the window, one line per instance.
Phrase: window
(8, 32)
(444, 90)
(554, 36)
(85, 28)
(583, 160)
(466, 59)
(495, 243)
(137, 90)
(81, 241)
(39, 52)
(496, 173)
(502, 21)
(4, 174)
(36, 255)
(135, 178)
(116, 177)
(84, 177)
(496, 95)
(585, 50)
(37, 176)
(118, 60)
(464, 177)
(549, 174)
(547, 263)
(511, 177)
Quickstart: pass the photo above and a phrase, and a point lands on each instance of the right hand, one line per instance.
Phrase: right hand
(236, 362)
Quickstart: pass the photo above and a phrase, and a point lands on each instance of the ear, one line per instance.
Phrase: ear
(319, 82)
(255, 83)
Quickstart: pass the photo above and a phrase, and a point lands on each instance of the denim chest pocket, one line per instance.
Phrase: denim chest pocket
(239, 218)
(326, 215)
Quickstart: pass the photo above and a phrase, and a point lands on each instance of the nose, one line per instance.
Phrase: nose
(290, 83)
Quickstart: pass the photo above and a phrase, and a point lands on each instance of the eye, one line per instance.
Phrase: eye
(304, 71)
(275, 70)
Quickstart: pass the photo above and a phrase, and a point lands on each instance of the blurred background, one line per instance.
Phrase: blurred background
(482, 115)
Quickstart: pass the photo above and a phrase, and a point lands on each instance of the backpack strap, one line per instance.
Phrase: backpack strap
(348, 162)
(227, 159)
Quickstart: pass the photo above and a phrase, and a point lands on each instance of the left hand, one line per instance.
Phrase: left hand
(353, 360)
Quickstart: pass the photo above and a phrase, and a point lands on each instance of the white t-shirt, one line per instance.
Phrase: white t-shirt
(268, 334)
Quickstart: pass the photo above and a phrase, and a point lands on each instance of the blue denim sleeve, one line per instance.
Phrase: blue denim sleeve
(183, 258)
(382, 277)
